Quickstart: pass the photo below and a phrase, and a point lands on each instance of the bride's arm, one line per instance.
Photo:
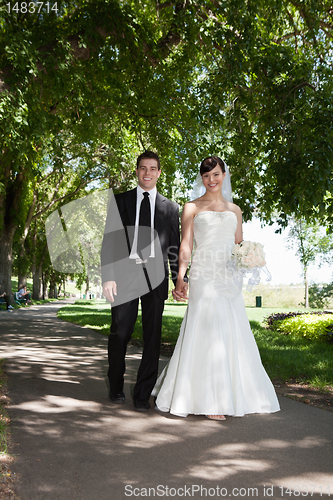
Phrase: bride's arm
(186, 246)
(185, 250)
(239, 230)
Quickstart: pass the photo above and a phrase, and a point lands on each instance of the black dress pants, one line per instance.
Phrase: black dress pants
(123, 320)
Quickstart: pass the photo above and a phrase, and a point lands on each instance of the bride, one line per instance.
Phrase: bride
(215, 369)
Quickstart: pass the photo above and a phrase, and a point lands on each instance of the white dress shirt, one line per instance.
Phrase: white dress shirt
(139, 198)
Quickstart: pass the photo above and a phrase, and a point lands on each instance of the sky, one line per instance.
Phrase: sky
(282, 263)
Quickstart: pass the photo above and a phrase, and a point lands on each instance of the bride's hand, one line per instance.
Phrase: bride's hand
(180, 292)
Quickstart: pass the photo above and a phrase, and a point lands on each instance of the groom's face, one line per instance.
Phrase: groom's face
(147, 173)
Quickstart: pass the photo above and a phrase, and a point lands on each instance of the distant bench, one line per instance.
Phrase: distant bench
(19, 301)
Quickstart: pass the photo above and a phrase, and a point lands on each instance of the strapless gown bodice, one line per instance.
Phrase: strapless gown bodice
(216, 366)
(214, 238)
(211, 229)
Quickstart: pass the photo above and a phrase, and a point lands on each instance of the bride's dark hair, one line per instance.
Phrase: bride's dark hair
(210, 163)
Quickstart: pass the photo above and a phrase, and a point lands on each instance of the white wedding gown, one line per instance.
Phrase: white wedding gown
(216, 367)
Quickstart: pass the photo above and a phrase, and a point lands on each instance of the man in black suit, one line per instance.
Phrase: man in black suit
(145, 260)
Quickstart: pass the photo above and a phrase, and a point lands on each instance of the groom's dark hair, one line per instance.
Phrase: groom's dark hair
(148, 155)
(210, 163)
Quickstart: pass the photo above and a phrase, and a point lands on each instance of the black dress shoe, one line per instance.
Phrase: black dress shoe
(118, 398)
(140, 405)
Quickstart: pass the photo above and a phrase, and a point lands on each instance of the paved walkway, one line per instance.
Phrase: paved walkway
(72, 444)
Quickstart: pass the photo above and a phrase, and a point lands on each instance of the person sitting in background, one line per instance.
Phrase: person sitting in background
(23, 293)
(5, 299)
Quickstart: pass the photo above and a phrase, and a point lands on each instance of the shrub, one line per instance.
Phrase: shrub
(313, 326)
(319, 296)
(280, 316)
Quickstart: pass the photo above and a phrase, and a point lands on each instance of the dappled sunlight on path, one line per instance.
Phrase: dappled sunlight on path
(71, 443)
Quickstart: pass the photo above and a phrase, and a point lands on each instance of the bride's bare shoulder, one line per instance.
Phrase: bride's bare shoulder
(190, 207)
(198, 203)
(233, 208)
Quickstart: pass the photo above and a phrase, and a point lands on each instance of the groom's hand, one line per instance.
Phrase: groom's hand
(110, 290)
(177, 296)
(180, 292)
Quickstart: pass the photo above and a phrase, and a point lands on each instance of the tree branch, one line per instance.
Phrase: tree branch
(160, 6)
(61, 198)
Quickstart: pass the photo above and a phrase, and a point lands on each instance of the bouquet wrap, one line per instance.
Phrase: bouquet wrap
(248, 257)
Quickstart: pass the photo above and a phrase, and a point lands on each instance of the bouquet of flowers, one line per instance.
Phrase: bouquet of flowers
(248, 257)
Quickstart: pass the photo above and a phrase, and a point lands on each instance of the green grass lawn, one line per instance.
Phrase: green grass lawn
(96, 314)
(284, 358)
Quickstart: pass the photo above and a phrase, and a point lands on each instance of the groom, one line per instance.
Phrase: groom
(141, 207)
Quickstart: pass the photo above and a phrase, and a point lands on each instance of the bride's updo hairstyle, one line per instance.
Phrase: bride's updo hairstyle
(210, 163)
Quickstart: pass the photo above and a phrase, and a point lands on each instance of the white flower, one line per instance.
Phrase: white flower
(249, 255)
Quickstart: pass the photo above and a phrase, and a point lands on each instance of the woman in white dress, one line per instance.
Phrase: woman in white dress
(215, 369)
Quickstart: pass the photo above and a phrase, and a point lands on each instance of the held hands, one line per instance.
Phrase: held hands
(180, 292)
(110, 290)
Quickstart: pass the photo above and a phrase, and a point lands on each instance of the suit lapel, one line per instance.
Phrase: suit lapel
(128, 216)
(160, 208)
(131, 206)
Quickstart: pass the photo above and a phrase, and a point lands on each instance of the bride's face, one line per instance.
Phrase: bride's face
(213, 180)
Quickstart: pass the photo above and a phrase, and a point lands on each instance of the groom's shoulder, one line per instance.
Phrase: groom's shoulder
(171, 204)
(125, 194)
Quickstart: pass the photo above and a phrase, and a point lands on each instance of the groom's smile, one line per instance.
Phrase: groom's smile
(147, 173)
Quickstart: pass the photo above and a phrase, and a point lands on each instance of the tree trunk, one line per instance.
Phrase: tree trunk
(306, 283)
(51, 289)
(37, 290)
(37, 270)
(6, 262)
(22, 281)
(45, 289)
(21, 264)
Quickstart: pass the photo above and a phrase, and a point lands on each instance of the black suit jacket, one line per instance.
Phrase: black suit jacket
(117, 244)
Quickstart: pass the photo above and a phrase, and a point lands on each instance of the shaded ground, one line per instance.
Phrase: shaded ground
(7, 477)
(298, 392)
(71, 443)
(306, 394)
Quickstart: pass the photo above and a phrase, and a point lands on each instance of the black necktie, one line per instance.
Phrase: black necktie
(144, 236)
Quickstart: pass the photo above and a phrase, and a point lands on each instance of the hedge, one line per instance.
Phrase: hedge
(309, 326)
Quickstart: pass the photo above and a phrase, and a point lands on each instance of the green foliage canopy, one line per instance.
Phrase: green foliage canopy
(251, 81)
